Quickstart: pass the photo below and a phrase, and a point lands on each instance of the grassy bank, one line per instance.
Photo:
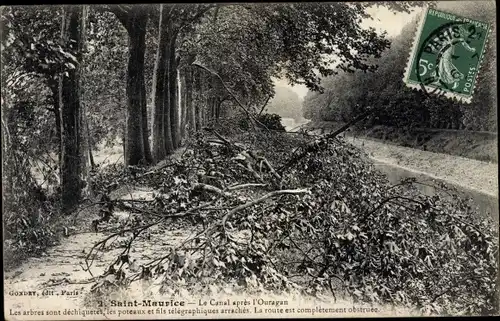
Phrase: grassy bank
(476, 145)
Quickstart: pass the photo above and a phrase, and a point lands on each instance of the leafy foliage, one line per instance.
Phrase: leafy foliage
(271, 121)
(234, 43)
(28, 229)
(331, 223)
(105, 77)
(32, 39)
(31, 61)
(249, 44)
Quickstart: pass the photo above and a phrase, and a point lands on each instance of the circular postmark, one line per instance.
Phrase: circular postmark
(447, 58)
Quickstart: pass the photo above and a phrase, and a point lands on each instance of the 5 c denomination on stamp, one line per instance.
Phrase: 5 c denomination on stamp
(446, 55)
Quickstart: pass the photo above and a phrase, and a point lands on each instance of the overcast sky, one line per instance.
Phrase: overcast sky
(383, 20)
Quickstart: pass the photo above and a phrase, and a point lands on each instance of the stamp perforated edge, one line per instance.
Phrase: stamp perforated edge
(461, 98)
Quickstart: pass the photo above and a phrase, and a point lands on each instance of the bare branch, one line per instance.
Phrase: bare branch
(242, 186)
(264, 105)
(262, 199)
(212, 189)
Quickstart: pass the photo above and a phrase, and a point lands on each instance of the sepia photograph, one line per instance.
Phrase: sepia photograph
(235, 160)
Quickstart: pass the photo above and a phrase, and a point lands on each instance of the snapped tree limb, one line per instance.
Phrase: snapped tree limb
(321, 142)
(213, 189)
(262, 199)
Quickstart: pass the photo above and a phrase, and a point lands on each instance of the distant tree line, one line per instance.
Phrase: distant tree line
(285, 103)
(348, 94)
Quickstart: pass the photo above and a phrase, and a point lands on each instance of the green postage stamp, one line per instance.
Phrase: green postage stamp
(446, 55)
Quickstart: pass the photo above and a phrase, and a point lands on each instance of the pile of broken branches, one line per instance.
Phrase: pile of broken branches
(321, 219)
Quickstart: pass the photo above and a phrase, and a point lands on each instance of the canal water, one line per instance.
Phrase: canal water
(485, 198)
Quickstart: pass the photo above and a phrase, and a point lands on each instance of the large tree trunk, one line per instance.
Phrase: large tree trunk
(71, 135)
(173, 99)
(87, 159)
(183, 95)
(163, 90)
(201, 101)
(135, 22)
(189, 100)
(158, 92)
(135, 88)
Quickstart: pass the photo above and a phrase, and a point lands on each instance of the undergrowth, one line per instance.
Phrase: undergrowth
(30, 216)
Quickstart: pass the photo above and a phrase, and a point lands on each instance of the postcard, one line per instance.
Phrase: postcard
(249, 160)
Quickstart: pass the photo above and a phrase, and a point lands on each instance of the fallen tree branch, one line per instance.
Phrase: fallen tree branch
(211, 188)
(262, 199)
(218, 142)
(242, 186)
(155, 170)
(249, 168)
(321, 142)
(227, 142)
(137, 230)
(387, 200)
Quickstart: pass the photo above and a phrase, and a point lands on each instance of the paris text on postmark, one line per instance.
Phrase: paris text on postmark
(446, 55)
